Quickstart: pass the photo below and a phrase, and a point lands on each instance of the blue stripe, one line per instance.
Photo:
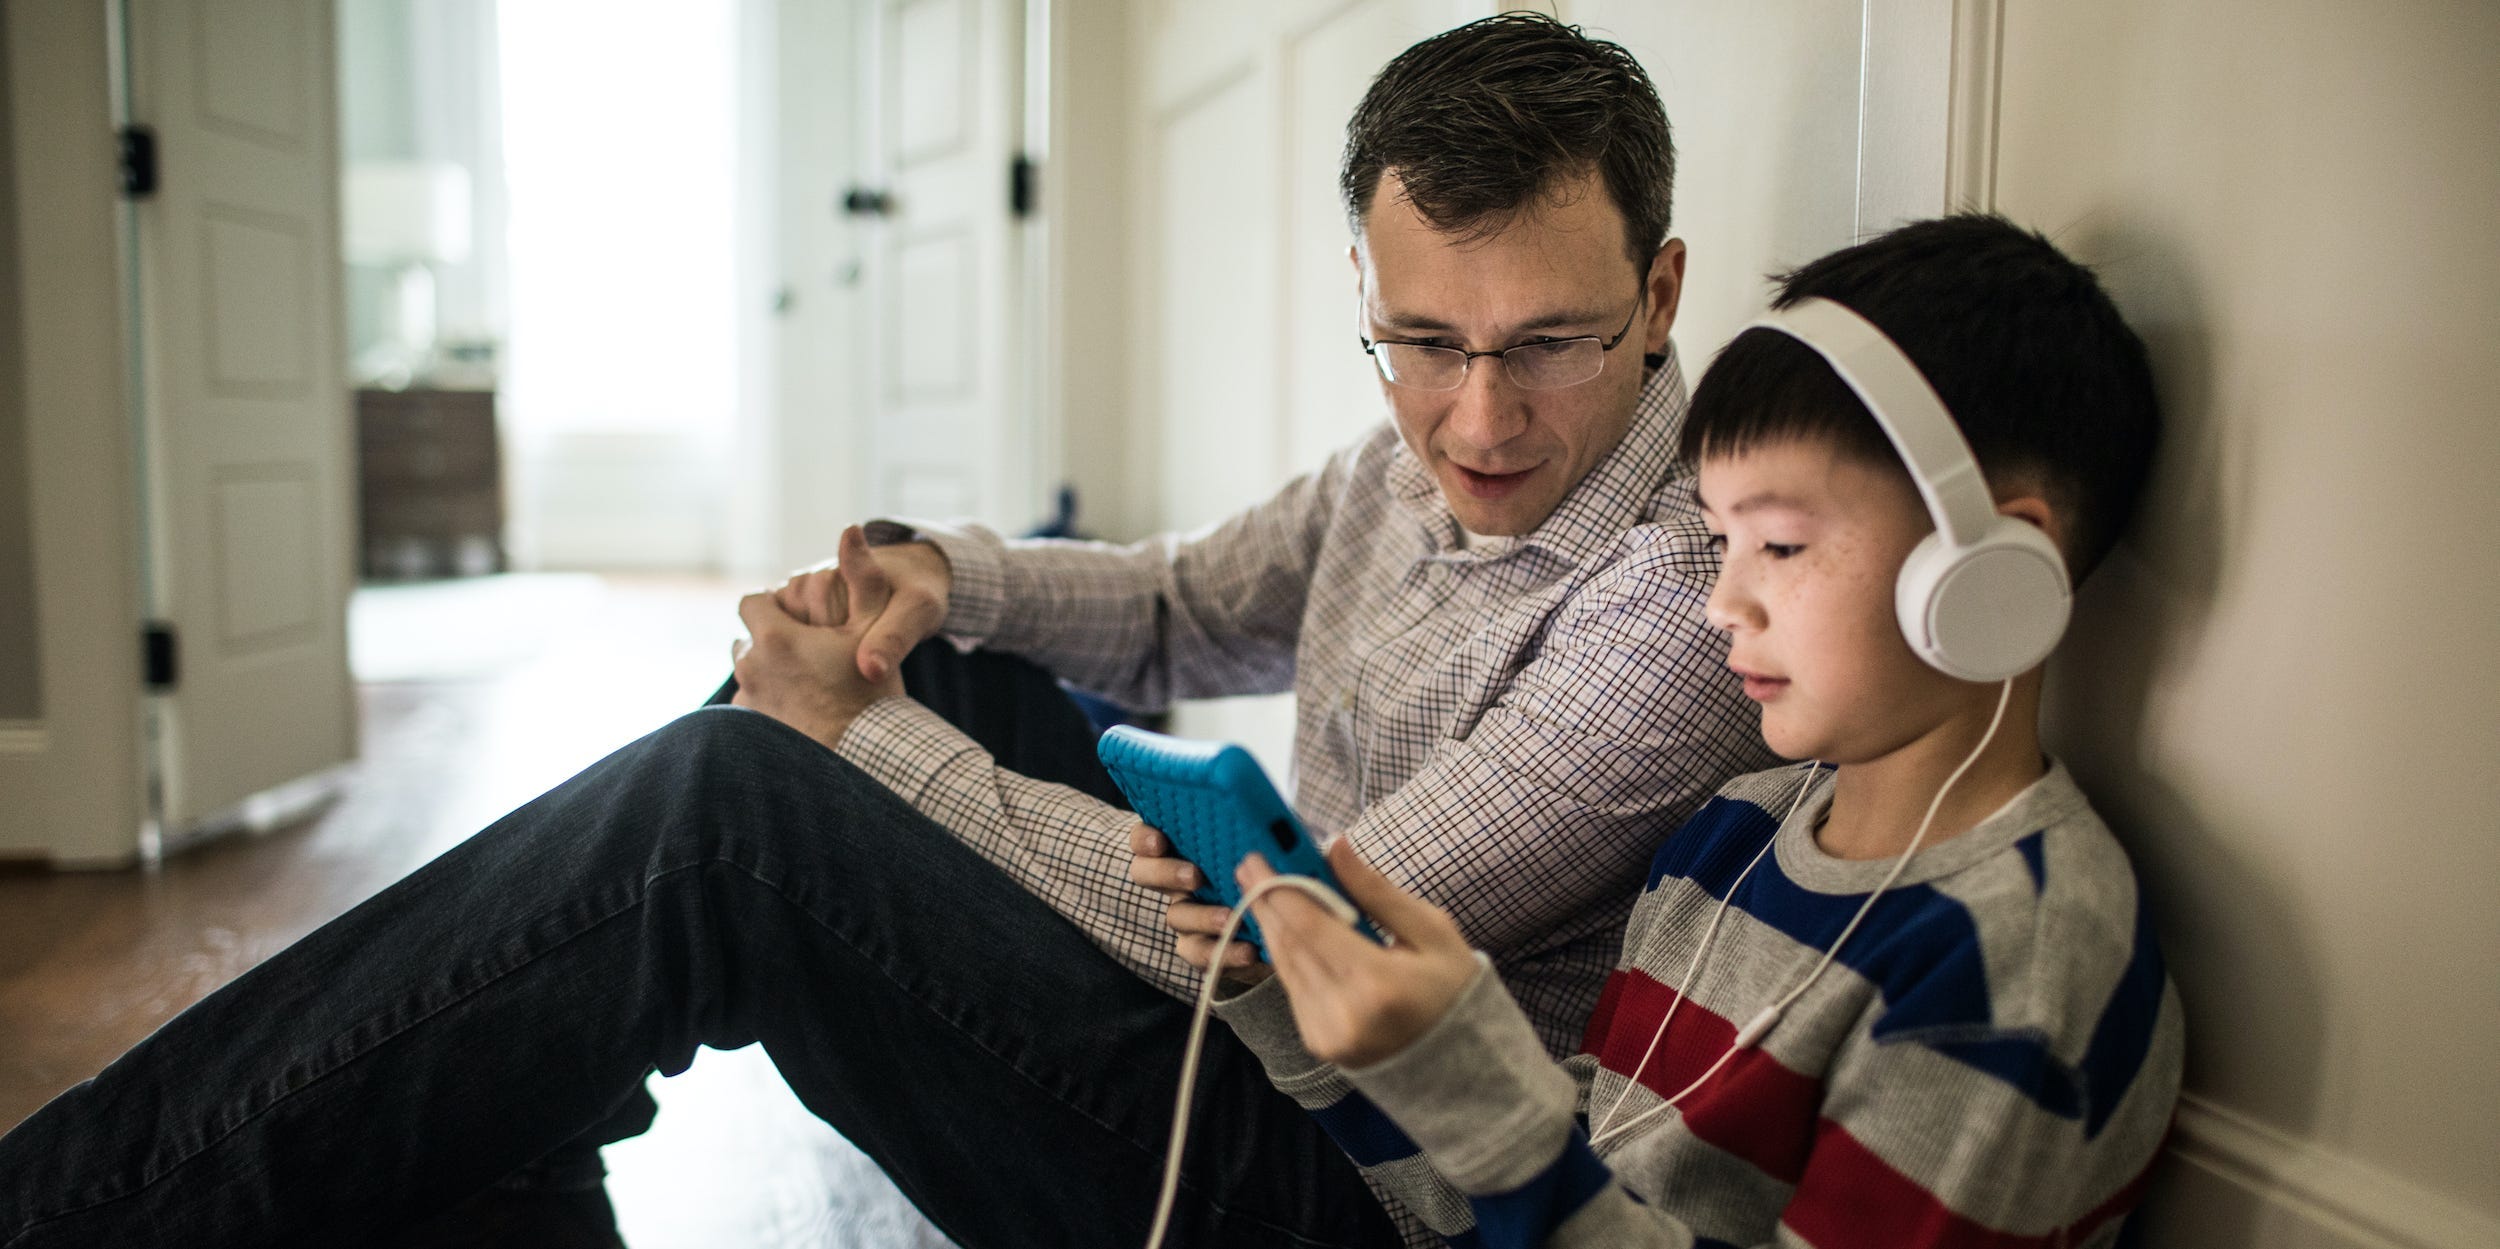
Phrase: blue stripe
(2125, 1034)
(1714, 845)
(1919, 926)
(2023, 1062)
(1526, 1215)
(1363, 1132)
(2035, 857)
(1921, 949)
(1464, 1240)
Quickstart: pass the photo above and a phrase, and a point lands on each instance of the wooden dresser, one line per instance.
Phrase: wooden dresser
(432, 480)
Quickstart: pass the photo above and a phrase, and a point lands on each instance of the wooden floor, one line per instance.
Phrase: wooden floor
(492, 691)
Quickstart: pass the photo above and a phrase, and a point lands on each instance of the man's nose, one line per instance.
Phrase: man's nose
(1487, 410)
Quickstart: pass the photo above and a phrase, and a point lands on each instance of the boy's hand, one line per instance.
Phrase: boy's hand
(1196, 924)
(1355, 1002)
(896, 594)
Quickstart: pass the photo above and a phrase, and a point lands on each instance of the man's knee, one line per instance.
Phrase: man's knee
(741, 770)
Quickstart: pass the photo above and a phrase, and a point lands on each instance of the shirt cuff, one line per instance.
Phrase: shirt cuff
(1477, 1092)
(976, 587)
(901, 744)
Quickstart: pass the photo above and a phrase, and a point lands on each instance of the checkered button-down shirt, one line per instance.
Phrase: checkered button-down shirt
(1506, 727)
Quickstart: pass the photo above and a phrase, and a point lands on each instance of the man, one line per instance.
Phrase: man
(1498, 705)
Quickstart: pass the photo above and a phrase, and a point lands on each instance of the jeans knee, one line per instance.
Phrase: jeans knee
(732, 770)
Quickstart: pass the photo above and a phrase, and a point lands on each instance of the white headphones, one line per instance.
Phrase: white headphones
(1985, 596)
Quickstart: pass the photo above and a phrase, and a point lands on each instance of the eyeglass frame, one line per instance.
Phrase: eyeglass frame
(1467, 358)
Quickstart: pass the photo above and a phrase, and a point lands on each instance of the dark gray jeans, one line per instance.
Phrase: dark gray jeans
(724, 881)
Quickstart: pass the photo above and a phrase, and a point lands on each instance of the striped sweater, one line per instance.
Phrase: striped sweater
(1991, 1061)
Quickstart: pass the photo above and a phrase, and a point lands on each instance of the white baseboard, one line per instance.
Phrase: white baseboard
(2291, 1191)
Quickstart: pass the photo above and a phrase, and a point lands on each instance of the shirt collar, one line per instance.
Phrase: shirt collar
(1613, 497)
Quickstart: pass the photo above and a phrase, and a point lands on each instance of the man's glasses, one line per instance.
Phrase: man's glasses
(1550, 364)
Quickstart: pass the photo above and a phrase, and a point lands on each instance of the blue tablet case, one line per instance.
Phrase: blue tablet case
(1215, 803)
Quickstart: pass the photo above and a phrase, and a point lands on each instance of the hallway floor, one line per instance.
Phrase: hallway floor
(476, 696)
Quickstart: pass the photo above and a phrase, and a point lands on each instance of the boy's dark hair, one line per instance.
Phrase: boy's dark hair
(2050, 387)
(1481, 121)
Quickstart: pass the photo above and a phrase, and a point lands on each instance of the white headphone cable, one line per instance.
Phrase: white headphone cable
(1198, 1033)
(1763, 1021)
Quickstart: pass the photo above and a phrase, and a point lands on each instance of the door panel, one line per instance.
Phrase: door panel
(245, 406)
(947, 436)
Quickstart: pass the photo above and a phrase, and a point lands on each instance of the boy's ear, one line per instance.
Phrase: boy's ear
(2037, 512)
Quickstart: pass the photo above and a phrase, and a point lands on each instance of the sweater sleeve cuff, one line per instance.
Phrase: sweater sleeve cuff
(1477, 1091)
(976, 587)
(1262, 1016)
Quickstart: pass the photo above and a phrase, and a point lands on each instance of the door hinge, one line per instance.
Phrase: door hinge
(138, 156)
(863, 201)
(1021, 186)
(160, 655)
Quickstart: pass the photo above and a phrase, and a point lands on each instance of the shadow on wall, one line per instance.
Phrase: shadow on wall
(2140, 621)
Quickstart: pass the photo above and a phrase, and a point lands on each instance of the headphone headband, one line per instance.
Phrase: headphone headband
(1904, 405)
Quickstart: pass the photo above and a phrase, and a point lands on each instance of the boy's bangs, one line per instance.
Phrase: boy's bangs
(1766, 387)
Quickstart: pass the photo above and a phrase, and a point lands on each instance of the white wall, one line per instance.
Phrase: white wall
(1244, 368)
(1081, 99)
(1764, 102)
(2282, 689)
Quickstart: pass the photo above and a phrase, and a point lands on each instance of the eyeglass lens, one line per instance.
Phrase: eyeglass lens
(1531, 366)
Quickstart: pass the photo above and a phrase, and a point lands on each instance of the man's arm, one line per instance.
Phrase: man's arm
(1207, 614)
(1217, 611)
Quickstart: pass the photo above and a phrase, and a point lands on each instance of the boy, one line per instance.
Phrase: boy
(1923, 1006)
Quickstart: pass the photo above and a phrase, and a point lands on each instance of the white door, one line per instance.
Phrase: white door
(247, 437)
(947, 433)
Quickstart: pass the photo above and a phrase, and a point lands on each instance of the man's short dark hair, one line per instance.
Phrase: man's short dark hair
(2050, 387)
(1482, 121)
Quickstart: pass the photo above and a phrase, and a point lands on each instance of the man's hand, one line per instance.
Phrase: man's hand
(1196, 924)
(806, 676)
(897, 592)
(1355, 1002)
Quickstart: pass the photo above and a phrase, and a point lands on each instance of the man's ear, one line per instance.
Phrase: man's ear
(1666, 291)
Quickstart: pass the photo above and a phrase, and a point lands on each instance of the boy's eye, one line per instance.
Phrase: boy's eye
(1782, 550)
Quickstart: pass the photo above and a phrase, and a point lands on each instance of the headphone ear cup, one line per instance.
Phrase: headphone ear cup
(1987, 611)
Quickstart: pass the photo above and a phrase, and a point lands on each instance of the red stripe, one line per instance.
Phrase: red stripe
(1603, 1017)
(1754, 1108)
(1851, 1197)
